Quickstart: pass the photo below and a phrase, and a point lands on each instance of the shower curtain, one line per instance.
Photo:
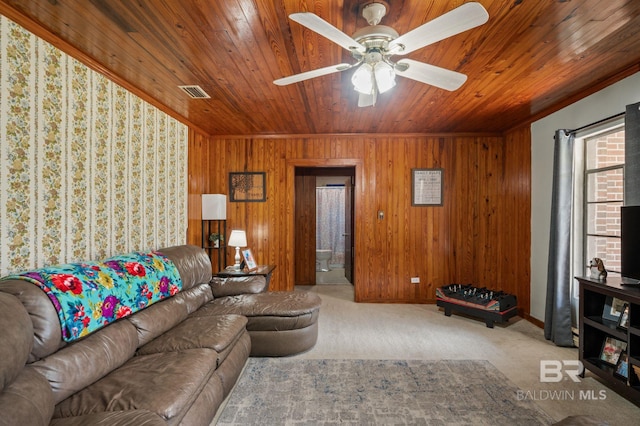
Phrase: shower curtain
(330, 204)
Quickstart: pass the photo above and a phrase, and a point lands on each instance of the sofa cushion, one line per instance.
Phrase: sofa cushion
(28, 400)
(232, 286)
(272, 311)
(217, 332)
(163, 383)
(273, 303)
(79, 364)
(17, 338)
(195, 297)
(192, 262)
(47, 335)
(163, 316)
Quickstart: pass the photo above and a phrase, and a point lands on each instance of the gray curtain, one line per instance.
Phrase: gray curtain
(557, 324)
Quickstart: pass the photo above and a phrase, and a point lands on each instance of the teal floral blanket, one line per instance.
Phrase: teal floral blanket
(90, 295)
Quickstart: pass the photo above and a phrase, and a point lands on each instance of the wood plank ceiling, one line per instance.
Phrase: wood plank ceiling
(530, 58)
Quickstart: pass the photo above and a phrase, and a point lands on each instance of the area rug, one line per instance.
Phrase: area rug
(280, 391)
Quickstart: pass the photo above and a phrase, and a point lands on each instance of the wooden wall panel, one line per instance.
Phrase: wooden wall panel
(198, 172)
(480, 235)
(517, 239)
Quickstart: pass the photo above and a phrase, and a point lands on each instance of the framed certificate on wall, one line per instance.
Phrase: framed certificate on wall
(426, 187)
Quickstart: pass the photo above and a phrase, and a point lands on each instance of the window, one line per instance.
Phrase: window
(599, 196)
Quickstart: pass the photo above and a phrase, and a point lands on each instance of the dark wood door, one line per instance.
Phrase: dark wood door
(348, 229)
(305, 230)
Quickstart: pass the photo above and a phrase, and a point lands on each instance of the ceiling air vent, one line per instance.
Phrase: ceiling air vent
(195, 92)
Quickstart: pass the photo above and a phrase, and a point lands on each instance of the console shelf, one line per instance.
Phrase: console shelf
(596, 328)
(220, 228)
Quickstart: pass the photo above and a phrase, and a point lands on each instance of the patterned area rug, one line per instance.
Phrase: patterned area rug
(277, 391)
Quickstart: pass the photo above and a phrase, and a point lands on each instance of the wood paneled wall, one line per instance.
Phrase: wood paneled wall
(480, 235)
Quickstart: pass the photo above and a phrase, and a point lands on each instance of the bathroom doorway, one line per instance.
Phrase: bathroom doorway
(324, 225)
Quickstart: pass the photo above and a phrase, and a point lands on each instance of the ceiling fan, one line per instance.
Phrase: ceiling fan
(373, 47)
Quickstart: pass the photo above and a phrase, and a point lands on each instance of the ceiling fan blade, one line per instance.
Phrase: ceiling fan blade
(325, 29)
(460, 19)
(429, 74)
(311, 74)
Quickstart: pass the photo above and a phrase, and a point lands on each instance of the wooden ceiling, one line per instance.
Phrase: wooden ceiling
(531, 58)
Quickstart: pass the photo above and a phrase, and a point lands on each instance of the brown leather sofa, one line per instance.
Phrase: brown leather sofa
(172, 363)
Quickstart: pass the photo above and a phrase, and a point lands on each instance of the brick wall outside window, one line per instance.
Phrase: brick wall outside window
(604, 197)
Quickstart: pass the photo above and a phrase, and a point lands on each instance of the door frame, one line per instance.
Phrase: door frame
(359, 189)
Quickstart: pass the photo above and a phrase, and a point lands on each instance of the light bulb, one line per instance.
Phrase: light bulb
(363, 79)
(385, 77)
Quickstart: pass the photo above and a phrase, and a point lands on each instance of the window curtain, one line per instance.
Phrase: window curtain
(557, 324)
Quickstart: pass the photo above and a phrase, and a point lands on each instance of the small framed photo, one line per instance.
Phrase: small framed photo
(623, 322)
(635, 374)
(613, 309)
(611, 350)
(622, 368)
(247, 186)
(249, 260)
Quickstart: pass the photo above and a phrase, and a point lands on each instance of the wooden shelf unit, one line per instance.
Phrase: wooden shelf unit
(220, 228)
(594, 329)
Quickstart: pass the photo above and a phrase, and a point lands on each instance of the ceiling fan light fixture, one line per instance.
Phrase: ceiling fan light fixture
(363, 79)
(372, 48)
(377, 78)
(385, 77)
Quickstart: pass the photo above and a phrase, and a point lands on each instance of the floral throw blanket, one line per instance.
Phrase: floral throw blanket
(90, 295)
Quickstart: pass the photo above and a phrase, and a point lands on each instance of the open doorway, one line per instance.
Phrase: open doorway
(324, 225)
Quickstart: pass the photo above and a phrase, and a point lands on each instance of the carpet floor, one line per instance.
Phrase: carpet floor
(280, 391)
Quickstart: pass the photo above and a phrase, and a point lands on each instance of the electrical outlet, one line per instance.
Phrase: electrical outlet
(415, 280)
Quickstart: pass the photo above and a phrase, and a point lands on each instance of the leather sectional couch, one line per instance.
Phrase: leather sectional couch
(172, 362)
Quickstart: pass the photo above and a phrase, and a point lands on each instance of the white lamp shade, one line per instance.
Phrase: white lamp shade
(385, 77)
(369, 78)
(237, 239)
(362, 79)
(214, 207)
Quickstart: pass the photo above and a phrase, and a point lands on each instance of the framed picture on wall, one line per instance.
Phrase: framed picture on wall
(427, 187)
(249, 260)
(247, 186)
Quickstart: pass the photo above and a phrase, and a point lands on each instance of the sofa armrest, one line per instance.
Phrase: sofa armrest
(233, 286)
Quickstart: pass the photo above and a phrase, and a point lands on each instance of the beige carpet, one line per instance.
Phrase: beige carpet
(349, 330)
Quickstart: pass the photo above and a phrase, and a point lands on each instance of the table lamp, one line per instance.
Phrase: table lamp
(237, 239)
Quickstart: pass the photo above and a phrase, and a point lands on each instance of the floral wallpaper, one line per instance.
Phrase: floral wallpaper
(87, 169)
